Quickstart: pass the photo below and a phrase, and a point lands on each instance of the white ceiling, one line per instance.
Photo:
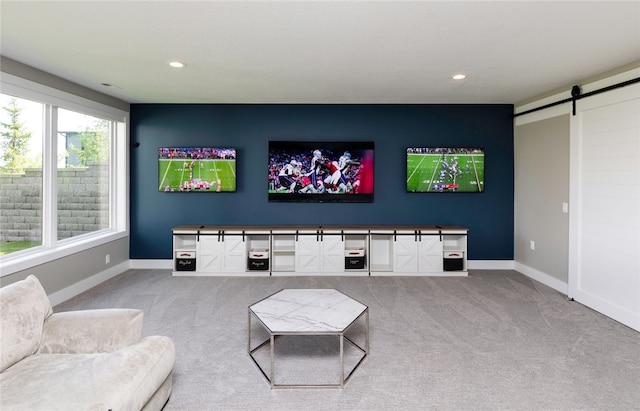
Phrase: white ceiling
(322, 51)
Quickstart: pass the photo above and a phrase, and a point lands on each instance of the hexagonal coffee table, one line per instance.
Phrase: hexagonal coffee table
(310, 312)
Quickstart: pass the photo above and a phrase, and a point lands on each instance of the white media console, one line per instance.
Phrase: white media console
(307, 250)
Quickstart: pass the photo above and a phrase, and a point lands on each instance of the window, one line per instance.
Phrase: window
(63, 174)
(83, 173)
(21, 141)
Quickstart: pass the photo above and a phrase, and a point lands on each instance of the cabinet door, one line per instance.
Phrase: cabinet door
(219, 254)
(319, 253)
(430, 254)
(332, 253)
(234, 253)
(209, 256)
(308, 253)
(405, 253)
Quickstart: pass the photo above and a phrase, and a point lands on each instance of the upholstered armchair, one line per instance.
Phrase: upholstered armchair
(79, 360)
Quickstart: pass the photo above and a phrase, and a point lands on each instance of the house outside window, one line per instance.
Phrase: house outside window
(82, 174)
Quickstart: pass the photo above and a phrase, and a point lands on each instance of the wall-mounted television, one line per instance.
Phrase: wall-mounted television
(196, 169)
(320, 172)
(445, 170)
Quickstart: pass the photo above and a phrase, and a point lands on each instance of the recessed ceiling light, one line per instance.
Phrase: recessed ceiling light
(458, 76)
(176, 64)
(110, 85)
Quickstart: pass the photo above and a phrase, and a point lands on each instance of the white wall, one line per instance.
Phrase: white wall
(587, 243)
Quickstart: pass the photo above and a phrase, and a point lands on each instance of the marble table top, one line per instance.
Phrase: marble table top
(307, 311)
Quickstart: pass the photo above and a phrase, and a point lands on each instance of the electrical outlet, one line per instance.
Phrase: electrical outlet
(107, 258)
(565, 207)
(532, 245)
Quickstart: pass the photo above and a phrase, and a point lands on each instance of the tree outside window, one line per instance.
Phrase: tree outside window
(15, 140)
(20, 174)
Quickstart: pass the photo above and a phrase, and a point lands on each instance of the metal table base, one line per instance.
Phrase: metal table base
(271, 343)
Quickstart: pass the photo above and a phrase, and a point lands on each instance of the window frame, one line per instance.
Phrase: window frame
(52, 248)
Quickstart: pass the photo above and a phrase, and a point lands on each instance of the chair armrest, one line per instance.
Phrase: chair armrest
(91, 331)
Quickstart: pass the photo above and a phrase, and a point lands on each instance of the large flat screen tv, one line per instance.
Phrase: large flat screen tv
(321, 172)
(445, 170)
(196, 169)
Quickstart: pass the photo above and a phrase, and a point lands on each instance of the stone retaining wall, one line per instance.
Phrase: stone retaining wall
(83, 202)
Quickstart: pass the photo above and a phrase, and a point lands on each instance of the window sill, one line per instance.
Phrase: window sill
(10, 264)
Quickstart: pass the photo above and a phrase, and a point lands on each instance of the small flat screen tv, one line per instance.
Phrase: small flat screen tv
(196, 169)
(445, 170)
(321, 172)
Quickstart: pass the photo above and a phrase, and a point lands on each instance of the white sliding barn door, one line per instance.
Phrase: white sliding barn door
(604, 243)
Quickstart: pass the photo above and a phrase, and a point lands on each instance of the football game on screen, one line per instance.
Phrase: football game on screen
(196, 169)
(445, 170)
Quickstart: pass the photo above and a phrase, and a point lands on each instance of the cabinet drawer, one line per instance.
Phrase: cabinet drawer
(185, 261)
(185, 254)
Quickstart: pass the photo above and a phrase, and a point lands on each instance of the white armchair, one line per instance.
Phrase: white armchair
(80, 360)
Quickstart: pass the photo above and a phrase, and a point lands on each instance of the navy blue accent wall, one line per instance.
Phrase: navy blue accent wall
(393, 128)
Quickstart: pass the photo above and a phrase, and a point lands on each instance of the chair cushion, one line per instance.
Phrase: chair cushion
(91, 331)
(121, 380)
(24, 306)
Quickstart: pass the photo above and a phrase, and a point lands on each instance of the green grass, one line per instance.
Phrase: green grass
(424, 171)
(7, 247)
(220, 174)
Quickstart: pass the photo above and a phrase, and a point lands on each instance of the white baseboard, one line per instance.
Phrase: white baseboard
(543, 278)
(84, 285)
(490, 265)
(151, 264)
(167, 264)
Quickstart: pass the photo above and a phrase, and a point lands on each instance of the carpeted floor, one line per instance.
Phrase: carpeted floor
(495, 340)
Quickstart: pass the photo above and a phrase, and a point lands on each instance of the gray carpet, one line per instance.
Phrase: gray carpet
(495, 340)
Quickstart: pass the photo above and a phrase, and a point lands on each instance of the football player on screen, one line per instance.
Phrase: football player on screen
(286, 176)
(346, 164)
(315, 167)
(333, 181)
